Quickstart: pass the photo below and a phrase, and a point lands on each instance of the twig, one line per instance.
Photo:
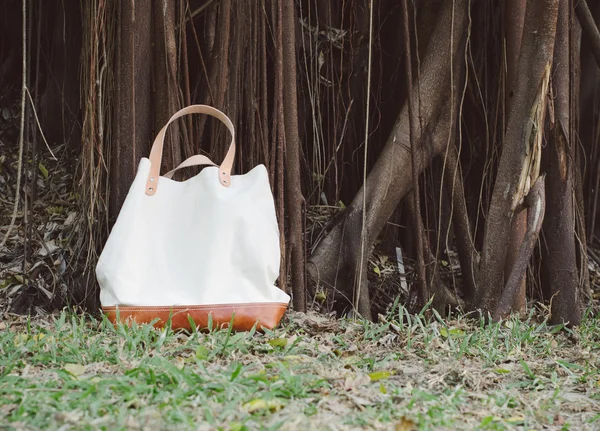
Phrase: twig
(38, 123)
(20, 159)
(536, 202)
(589, 28)
(199, 10)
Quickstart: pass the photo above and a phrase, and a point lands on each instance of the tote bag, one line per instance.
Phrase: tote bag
(204, 249)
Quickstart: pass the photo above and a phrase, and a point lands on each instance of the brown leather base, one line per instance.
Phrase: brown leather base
(245, 316)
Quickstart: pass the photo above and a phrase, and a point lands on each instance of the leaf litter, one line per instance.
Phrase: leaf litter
(333, 374)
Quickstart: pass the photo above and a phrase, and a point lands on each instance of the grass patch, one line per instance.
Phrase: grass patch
(406, 372)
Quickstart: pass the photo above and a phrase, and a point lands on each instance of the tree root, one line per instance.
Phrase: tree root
(536, 202)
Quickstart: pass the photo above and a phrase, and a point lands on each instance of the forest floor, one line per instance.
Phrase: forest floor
(69, 371)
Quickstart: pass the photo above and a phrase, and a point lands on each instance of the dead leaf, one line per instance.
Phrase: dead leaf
(75, 369)
(360, 401)
(323, 348)
(406, 425)
(48, 248)
(354, 382)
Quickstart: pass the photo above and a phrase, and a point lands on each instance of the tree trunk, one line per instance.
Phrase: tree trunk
(519, 163)
(133, 120)
(515, 16)
(166, 89)
(292, 158)
(559, 260)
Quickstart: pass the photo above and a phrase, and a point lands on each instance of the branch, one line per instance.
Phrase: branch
(536, 202)
(589, 28)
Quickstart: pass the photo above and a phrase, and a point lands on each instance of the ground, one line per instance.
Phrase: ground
(71, 371)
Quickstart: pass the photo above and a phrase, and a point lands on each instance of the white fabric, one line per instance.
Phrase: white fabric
(193, 243)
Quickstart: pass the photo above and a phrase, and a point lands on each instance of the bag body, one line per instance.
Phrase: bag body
(206, 246)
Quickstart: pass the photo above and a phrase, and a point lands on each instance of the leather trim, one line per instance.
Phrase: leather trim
(267, 315)
(157, 147)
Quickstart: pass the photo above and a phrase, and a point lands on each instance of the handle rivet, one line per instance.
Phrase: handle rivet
(152, 179)
(150, 188)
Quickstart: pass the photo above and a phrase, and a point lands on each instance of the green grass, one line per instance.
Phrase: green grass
(73, 372)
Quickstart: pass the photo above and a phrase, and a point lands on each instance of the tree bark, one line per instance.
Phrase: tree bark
(559, 258)
(166, 88)
(536, 202)
(590, 30)
(292, 158)
(519, 163)
(515, 19)
(133, 124)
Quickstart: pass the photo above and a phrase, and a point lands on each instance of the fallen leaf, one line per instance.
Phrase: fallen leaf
(43, 170)
(75, 369)
(323, 348)
(278, 342)
(48, 248)
(353, 382)
(260, 404)
(406, 425)
(515, 420)
(360, 401)
(379, 375)
(70, 219)
(22, 338)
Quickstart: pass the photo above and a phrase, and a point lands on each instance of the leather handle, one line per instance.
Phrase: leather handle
(157, 147)
(191, 161)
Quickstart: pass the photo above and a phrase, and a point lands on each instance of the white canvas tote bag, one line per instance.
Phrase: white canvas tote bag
(186, 250)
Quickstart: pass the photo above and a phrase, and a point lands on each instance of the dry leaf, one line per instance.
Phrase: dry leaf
(75, 369)
(406, 425)
(353, 382)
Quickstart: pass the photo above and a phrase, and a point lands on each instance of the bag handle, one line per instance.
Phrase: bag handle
(157, 147)
(191, 161)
